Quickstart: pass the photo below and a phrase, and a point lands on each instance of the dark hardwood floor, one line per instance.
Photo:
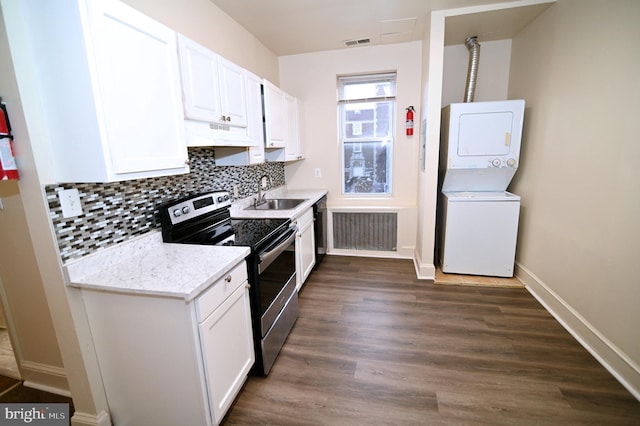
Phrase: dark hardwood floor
(375, 346)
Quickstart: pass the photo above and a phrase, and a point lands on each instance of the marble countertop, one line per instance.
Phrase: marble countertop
(147, 265)
(311, 195)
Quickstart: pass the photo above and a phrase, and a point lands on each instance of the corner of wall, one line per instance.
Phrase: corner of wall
(424, 271)
(85, 419)
(611, 357)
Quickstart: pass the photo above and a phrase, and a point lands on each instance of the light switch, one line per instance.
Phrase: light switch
(70, 202)
(317, 173)
(1, 206)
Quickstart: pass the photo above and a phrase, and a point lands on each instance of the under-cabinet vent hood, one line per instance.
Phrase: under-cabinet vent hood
(199, 133)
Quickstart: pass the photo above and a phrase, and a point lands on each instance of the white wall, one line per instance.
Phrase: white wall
(577, 67)
(206, 23)
(29, 320)
(312, 77)
(433, 64)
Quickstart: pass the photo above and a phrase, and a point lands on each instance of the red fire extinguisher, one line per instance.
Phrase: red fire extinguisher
(410, 120)
(8, 167)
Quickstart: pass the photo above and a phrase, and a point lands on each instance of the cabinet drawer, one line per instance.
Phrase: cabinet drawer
(220, 290)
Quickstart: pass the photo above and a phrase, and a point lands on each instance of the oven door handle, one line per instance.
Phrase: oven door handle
(267, 257)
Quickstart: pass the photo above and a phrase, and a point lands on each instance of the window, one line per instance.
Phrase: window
(366, 105)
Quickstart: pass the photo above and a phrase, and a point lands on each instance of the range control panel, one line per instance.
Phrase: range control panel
(197, 206)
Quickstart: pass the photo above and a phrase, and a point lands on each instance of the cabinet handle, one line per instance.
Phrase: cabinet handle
(248, 286)
(228, 278)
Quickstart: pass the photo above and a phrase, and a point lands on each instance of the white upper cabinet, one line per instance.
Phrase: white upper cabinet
(292, 148)
(138, 72)
(282, 114)
(109, 84)
(275, 115)
(244, 156)
(214, 88)
(256, 123)
(232, 93)
(215, 98)
(200, 86)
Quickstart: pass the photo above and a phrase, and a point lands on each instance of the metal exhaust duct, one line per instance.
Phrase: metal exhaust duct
(472, 73)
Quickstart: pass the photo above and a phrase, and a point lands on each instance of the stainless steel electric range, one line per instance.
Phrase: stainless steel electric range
(206, 219)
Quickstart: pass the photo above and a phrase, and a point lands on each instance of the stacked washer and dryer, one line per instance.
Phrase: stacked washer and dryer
(478, 218)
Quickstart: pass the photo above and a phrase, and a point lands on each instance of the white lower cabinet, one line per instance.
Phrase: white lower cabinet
(305, 247)
(227, 350)
(165, 361)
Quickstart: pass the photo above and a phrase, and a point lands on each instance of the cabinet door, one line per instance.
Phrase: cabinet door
(292, 142)
(227, 349)
(199, 67)
(255, 125)
(139, 97)
(275, 115)
(233, 103)
(305, 250)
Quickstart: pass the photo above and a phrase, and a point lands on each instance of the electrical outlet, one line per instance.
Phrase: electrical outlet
(236, 194)
(70, 202)
(317, 172)
(1, 206)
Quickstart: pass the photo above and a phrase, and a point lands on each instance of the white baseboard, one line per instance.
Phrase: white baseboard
(54, 380)
(424, 271)
(624, 369)
(47, 388)
(85, 419)
(369, 253)
(45, 377)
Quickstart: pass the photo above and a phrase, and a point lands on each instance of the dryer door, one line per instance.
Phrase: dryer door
(485, 134)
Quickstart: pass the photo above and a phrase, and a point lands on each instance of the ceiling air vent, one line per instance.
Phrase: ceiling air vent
(358, 42)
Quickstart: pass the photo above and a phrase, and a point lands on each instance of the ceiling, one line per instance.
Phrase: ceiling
(289, 27)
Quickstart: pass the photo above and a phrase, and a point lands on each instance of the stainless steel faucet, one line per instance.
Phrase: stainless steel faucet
(261, 196)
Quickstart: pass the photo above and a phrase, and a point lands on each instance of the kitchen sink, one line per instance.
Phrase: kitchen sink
(277, 204)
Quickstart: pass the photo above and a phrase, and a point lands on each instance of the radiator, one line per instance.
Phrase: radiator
(365, 231)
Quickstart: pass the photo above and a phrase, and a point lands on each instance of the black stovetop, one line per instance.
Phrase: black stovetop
(196, 220)
(253, 233)
(256, 232)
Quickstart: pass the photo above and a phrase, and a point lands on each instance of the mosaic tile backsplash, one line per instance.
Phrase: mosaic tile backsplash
(116, 212)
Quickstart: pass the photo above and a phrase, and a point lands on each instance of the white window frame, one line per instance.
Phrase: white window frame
(388, 140)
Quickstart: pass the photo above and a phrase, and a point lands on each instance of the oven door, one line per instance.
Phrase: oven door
(276, 277)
